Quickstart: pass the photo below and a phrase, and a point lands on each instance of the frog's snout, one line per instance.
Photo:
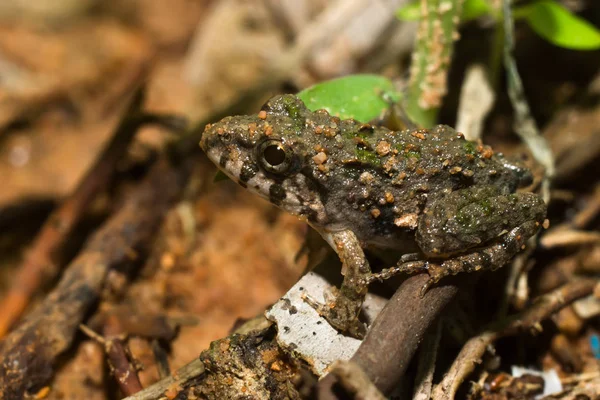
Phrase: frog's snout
(214, 135)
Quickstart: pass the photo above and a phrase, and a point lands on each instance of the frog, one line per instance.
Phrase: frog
(448, 205)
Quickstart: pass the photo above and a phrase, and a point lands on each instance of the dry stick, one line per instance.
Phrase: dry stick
(118, 361)
(526, 127)
(473, 350)
(28, 354)
(396, 333)
(569, 237)
(589, 212)
(426, 363)
(524, 124)
(40, 264)
(185, 376)
(355, 380)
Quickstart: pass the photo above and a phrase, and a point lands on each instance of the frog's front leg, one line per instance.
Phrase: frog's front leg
(343, 308)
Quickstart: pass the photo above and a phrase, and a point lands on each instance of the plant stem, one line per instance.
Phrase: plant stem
(431, 59)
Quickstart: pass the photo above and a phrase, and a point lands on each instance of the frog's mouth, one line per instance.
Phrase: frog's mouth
(290, 194)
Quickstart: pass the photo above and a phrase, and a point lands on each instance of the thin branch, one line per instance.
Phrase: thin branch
(41, 262)
(117, 356)
(531, 318)
(180, 378)
(28, 354)
(426, 366)
(355, 381)
(524, 124)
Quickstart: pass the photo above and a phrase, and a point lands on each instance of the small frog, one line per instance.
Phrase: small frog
(448, 204)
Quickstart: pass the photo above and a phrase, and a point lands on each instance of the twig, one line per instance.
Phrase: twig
(355, 381)
(28, 354)
(118, 360)
(116, 355)
(524, 124)
(526, 127)
(591, 210)
(252, 365)
(183, 375)
(569, 237)
(426, 366)
(396, 333)
(41, 262)
(476, 100)
(162, 361)
(473, 350)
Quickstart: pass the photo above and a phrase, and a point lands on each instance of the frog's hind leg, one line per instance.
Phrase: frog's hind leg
(490, 257)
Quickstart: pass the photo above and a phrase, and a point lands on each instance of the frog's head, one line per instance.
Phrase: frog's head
(266, 154)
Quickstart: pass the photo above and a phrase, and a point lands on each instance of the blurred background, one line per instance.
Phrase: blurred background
(69, 70)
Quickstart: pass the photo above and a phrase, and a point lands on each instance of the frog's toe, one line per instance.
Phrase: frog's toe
(319, 307)
(339, 317)
(409, 257)
(435, 272)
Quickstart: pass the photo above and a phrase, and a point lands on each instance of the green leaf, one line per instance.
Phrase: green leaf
(473, 9)
(410, 11)
(361, 97)
(220, 176)
(557, 25)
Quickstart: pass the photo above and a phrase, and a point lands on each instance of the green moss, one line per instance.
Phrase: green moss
(463, 217)
(487, 206)
(413, 154)
(353, 133)
(292, 107)
(470, 148)
(367, 156)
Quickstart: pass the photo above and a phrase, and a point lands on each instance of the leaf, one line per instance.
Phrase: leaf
(557, 25)
(220, 176)
(472, 9)
(409, 12)
(361, 97)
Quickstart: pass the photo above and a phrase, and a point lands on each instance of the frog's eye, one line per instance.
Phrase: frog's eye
(274, 156)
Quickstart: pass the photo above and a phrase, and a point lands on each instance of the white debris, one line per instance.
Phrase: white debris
(304, 332)
(552, 384)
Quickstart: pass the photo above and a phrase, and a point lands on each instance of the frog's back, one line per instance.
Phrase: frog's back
(380, 181)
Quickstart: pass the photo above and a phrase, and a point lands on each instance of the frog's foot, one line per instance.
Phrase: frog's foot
(340, 314)
(435, 271)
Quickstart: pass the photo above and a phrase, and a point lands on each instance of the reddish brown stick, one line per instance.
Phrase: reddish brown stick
(40, 264)
(116, 354)
(28, 354)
